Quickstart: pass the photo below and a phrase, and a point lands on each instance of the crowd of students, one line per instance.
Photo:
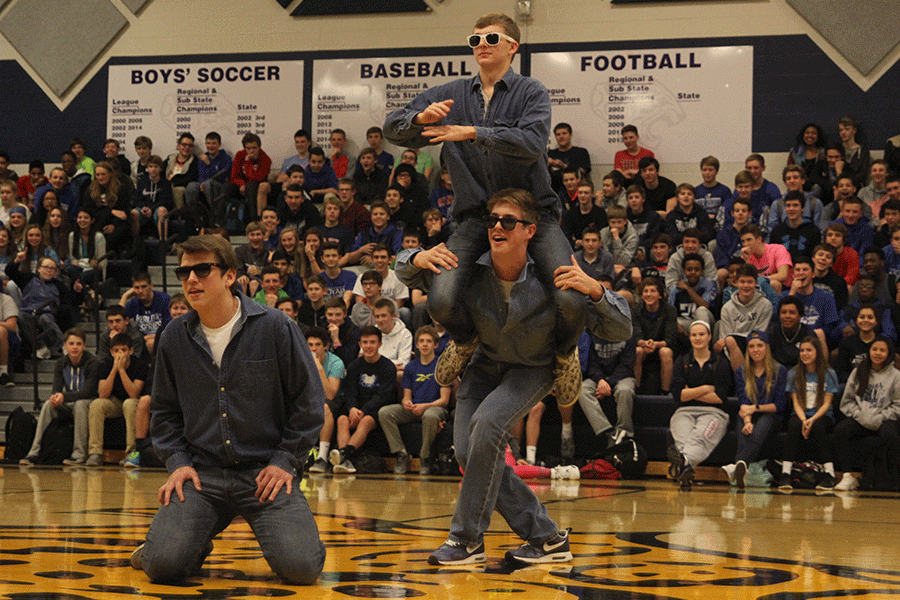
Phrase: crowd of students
(790, 286)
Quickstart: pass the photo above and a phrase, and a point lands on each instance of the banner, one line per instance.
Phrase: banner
(686, 102)
(161, 101)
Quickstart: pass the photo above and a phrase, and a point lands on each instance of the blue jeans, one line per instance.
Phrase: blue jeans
(549, 249)
(491, 399)
(749, 446)
(284, 528)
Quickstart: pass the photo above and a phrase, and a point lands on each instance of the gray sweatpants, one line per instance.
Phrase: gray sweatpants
(393, 415)
(697, 430)
(590, 404)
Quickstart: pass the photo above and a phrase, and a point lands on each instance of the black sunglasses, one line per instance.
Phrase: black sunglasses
(491, 39)
(201, 269)
(508, 223)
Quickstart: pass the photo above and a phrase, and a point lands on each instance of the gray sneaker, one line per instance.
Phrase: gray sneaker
(320, 466)
(73, 462)
(28, 461)
(551, 551)
(402, 465)
(94, 460)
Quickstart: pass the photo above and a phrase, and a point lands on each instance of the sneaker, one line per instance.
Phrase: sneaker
(339, 463)
(6, 380)
(552, 551)
(784, 482)
(729, 472)
(424, 466)
(320, 466)
(133, 460)
(28, 461)
(847, 483)
(620, 436)
(686, 477)
(567, 447)
(94, 460)
(676, 461)
(568, 379)
(453, 361)
(402, 464)
(455, 553)
(73, 462)
(43, 353)
(740, 474)
(827, 482)
(565, 472)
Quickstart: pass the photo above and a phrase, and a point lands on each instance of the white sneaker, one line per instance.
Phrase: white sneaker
(565, 472)
(729, 472)
(847, 483)
(43, 353)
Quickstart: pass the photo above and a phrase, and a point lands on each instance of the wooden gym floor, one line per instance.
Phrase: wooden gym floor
(67, 533)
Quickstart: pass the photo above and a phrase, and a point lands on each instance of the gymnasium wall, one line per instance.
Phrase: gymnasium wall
(798, 74)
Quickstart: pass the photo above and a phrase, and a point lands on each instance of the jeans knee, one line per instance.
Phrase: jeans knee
(162, 567)
(299, 569)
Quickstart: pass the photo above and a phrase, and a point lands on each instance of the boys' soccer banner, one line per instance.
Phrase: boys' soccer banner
(685, 102)
(161, 101)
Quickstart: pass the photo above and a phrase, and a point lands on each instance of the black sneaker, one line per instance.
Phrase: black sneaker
(6, 380)
(686, 477)
(784, 482)
(551, 551)
(676, 461)
(827, 482)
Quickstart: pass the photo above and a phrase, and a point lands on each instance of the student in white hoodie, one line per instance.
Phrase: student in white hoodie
(748, 310)
(396, 339)
(872, 404)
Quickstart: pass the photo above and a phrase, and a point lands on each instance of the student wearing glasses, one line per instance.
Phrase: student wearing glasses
(495, 128)
(43, 295)
(181, 168)
(236, 403)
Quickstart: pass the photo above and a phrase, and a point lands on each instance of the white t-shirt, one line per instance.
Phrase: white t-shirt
(218, 338)
(391, 287)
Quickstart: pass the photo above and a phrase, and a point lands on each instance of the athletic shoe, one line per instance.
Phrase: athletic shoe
(43, 353)
(402, 464)
(567, 373)
(6, 380)
(453, 361)
(28, 461)
(784, 482)
(620, 436)
(455, 553)
(133, 460)
(320, 466)
(339, 463)
(847, 483)
(740, 474)
(94, 460)
(827, 482)
(686, 477)
(424, 466)
(676, 461)
(729, 472)
(73, 462)
(567, 447)
(565, 472)
(552, 551)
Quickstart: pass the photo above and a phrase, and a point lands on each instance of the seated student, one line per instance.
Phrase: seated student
(382, 231)
(338, 281)
(810, 385)
(27, 185)
(760, 386)
(688, 215)
(148, 309)
(143, 147)
(296, 212)
(690, 244)
(442, 195)
(620, 238)
(121, 377)
(747, 311)
(871, 403)
(402, 213)
(252, 257)
(331, 227)
(271, 227)
(583, 214)
(249, 174)
(874, 267)
(657, 263)
(369, 180)
(874, 194)
(413, 189)
(9, 201)
(320, 178)
(593, 258)
(568, 195)
(36, 247)
(74, 387)
(343, 335)
(67, 196)
(884, 234)
(647, 223)
(331, 372)
(654, 325)
(391, 286)
(846, 261)
(711, 194)
(694, 295)
(339, 160)
(310, 259)
(290, 282)
(312, 311)
(302, 141)
(213, 169)
(295, 176)
(794, 178)
(700, 385)
(660, 191)
(825, 278)
(771, 260)
(271, 288)
(820, 311)
(375, 139)
(152, 200)
(396, 339)
(844, 188)
(436, 230)
(628, 161)
(363, 310)
(786, 333)
(354, 215)
(37, 289)
(613, 191)
(180, 168)
(865, 293)
(728, 240)
(370, 383)
(743, 188)
(855, 347)
(117, 322)
(291, 308)
(794, 233)
(423, 400)
(859, 230)
(82, 161)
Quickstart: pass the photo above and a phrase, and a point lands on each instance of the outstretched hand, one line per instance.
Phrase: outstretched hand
(435, 259)
(573, 277)
(449, 133)
(434, 113)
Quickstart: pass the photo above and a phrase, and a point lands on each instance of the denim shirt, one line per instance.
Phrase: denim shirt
(263, 406)
(510, 145)
(522, 331)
